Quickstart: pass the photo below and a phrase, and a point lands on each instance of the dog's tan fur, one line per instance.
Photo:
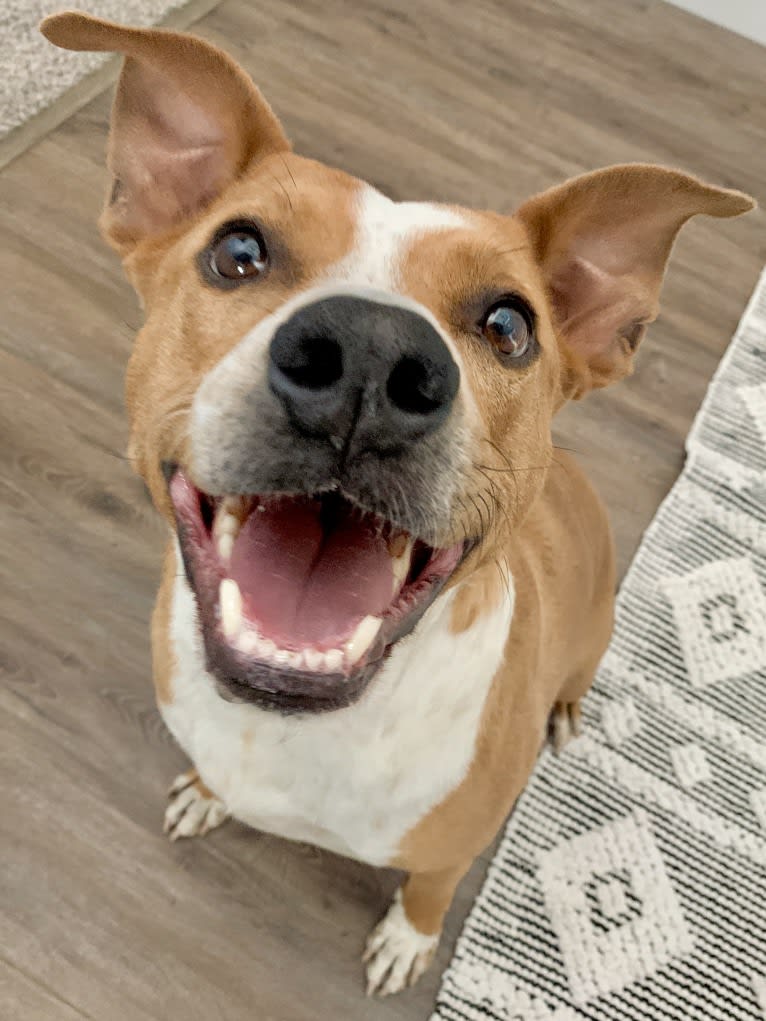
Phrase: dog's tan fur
(589, 256)
(562, 621)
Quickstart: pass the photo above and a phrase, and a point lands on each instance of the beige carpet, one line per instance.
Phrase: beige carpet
(36, 78)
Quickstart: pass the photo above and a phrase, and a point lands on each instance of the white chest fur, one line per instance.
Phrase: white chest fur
(355, 780)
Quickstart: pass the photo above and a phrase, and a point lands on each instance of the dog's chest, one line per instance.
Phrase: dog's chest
(356, 780)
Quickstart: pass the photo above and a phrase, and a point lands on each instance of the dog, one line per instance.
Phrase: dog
(381, 590)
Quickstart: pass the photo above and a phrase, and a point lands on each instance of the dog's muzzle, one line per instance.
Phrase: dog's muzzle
(314, 520)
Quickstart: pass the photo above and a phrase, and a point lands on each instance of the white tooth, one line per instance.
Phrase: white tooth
(225, 523)
(333, 661)
(361, 640)
(295, 660)
(313, 658)
(230, 599)
(397, 544)
(249, 642)
(281, 656)
(266, 648)
(229, 518)
(400, 564)
(255, 645)
(225, 546)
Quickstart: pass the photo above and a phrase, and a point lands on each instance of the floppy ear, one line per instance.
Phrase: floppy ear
(186, 121)
(603, 240)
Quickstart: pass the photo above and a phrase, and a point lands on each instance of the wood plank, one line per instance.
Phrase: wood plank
(480, 104)
(23, 997)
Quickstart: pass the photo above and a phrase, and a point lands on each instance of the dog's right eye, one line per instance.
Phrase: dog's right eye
(238, 254)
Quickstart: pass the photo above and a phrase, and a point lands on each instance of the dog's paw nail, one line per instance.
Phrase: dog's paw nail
(182, 781)
(396, 953)
(565, 724)
(192, 811)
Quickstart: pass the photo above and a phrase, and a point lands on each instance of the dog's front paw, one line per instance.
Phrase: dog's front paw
(193, 810)
(396, 954)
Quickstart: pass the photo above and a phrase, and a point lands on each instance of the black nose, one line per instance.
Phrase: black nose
(353, 370)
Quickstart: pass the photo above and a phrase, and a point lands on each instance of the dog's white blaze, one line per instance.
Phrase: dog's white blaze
(384, 231)
(354, 781)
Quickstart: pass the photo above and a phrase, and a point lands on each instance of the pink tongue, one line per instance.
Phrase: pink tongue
(302, 585)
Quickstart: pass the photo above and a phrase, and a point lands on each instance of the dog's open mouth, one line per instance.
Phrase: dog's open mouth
(301, 597)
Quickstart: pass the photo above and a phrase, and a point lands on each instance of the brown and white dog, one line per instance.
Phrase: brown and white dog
(379, 584)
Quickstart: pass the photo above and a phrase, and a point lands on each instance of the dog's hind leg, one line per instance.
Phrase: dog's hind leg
(565, 723)
(565, 720)
(193, 810)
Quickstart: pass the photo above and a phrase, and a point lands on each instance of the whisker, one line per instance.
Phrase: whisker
(289, 171)
(510, 251)
(508, 471)
(120, 457)
(504, 579)
(498, 503)
(284, 191)
(480, 495)
(510, 468)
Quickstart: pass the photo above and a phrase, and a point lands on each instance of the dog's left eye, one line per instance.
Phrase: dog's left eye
(509, 326)
(238, 255)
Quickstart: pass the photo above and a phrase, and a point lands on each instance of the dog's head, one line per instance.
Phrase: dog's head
(342, 403)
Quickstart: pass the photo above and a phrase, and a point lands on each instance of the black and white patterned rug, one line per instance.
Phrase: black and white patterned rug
(631, 881)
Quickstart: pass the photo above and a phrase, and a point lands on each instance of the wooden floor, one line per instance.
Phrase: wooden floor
(481, 103)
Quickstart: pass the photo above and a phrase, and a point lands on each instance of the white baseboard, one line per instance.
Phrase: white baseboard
(748, 17)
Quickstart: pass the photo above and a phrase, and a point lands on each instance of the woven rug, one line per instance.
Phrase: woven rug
(631, 880)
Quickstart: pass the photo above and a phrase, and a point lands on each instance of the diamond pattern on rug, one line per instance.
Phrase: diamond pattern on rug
(619, 866)
(620, 721)
(631, 880)
(720, 611)
(691, 765)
